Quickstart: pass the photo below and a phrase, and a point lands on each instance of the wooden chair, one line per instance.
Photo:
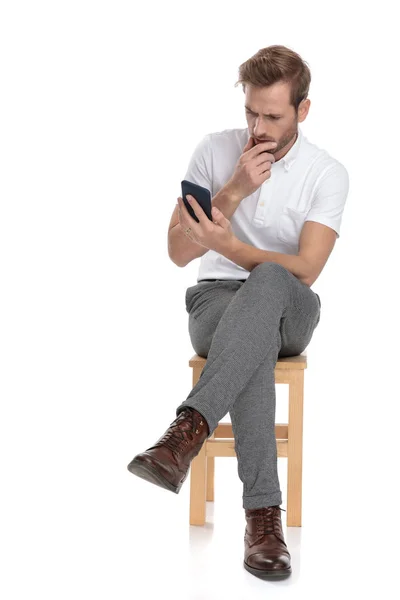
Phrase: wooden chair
(289, 438)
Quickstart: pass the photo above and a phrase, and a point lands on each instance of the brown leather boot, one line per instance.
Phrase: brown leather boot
(167, 462)
(266, 554)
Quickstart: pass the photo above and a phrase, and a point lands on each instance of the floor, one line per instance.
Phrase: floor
(170, 558)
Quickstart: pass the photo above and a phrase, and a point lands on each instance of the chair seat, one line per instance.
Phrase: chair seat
(288, 362)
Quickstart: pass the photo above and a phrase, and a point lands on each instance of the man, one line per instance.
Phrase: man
(277, 207)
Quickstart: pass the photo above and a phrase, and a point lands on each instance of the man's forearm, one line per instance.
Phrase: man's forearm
(248, 257)
(181, 249)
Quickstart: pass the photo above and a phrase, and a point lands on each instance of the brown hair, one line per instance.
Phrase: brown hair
(277, 63)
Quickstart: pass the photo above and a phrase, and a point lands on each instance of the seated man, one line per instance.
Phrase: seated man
(277, 205)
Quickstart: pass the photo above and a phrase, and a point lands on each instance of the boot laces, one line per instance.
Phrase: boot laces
(267, 520)
(181, 432)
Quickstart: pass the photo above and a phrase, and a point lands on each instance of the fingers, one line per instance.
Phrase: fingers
(249, 144)
(264, 169)
(265, 147)
(263, 158)
(183, 213)
(198, 211)
(258, 149)
(204, 221)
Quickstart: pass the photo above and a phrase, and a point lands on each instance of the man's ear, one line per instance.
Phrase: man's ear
(304, 107)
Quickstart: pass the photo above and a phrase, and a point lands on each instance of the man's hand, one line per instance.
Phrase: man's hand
(216, 235)
(252, 168)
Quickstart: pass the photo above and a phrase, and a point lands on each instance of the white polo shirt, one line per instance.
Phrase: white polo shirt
(307, 184)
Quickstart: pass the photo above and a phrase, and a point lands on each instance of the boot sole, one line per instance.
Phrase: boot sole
(149, 473)
(265, 574)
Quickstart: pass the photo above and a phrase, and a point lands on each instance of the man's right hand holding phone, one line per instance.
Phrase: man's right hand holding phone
(252, 169)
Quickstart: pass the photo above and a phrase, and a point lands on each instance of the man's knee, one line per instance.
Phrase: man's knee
(271, 276)
(270, 269)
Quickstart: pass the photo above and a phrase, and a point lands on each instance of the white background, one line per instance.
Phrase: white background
(101, 106)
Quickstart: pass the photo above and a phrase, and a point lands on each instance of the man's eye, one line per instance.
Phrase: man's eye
(253, 115)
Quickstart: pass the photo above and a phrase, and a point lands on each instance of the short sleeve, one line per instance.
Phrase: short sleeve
(330, 197)
(200, 168)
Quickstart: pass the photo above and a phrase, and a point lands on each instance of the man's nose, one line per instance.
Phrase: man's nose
(259, 133)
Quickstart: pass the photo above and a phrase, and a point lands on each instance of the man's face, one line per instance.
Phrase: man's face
(270, 117)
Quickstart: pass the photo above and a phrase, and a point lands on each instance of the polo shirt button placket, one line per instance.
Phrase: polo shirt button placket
(262, 204)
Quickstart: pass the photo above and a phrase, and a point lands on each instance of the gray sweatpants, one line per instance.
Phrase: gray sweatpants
(242, 327)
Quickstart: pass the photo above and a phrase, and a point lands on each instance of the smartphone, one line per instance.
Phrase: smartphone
(201, 194)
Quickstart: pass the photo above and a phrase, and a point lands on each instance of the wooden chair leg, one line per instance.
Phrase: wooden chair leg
(295, 449)
(198, 488)
(210, 474)
(198, 477)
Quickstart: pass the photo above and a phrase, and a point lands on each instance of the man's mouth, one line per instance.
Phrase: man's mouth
(262, 141)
